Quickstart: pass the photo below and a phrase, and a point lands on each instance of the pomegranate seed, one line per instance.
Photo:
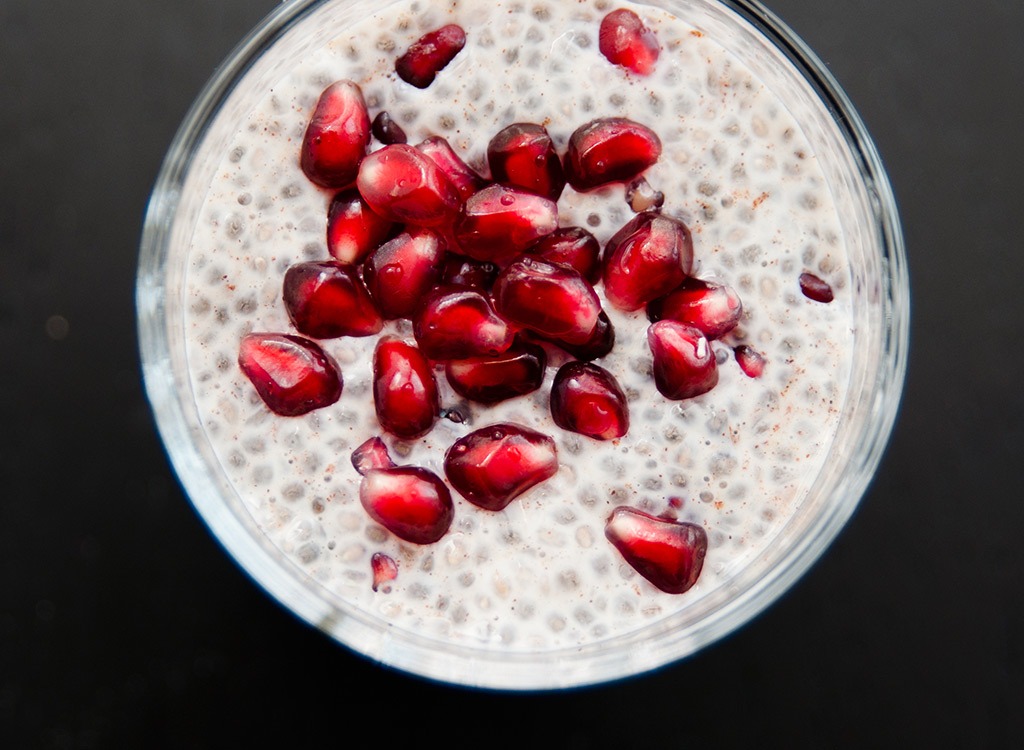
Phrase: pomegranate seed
(750, 361)
(386, 130)
(684, 364)
(489, 380)
(465, 179)
(336, 137)
(459, 323)
(353, 230)
(609, 150)
(373, 454)
(625, 41)
(669, 554)
(428, 55)
(499, 222)
(642, 197)
(815, 288)
(713, 308)
(291, 374)
(550, 299)
(494, 465)
(571, 246)
(402, 184)
(409, 501)
(649, 257)
(464, 271)
(600, 343)
(401, 271)
(384, 569)
(325, 299)
(404, 389)
(522, 155)
(586, 398)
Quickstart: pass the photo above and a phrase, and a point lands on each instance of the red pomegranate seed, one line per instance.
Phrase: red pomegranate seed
(409, 501)
(465, 271)
(498, 223)
(642, 197)
(571, 246)
(373, 454)
(815, 288)
(713, 308)
(325, 299)
(465, 179)
(550, 299)
(625, 41)
(386, 130)
(750, 361)
(494, 465)
(649, 257)
(587, 399)
(684, 364)
(384, 569)
(488, 380)
(336, 137)
(404, 389)
(522, 155)
(428, 55)
(353, 229)
(458, 323)
(402, 184)
(669, 554)
(291, 374)
(402, 270)
(600, 343)
(609, 150)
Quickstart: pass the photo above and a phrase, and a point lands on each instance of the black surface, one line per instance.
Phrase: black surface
(123, 624)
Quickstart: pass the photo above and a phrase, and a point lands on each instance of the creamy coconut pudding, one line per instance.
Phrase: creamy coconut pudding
(735, 166)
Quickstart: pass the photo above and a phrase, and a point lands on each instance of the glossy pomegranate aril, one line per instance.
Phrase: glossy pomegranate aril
(750, 361)
(384, 569)
(499, 222)
(494, 465)
(291, 374)
(624, 40)
(670, 554)
(336, 137)
(550, 299)
(404, 389)
(402, 270)
(402, 184)
(587, 399)
(684, 363)
(372, 454)
(712, 307)
(646, 259)
(600, 343)
(608, 150)
(429, 54)
(523, 155)
(353, 229)
(465, 179)
(571, 246)
(488, 380)
(386, 130)
(465, 271)
(325, 299)
(815, 288)
(458, 323)
(411, 502)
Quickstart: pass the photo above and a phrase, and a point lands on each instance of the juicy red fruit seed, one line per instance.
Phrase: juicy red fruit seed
(402, 270)
(488, 380)
(384, 569)
(353, 229)
(404, 389)
(684, 363)
(815, 288)
(600, 343)
(586, 399)
(608, 150)
(465, 179)
(372, 454)
(409, 501)
(402, 184)
(624, 40)
(498, 223)
(457, 322)
(386, 130)
(325, 299)
(291, 374)
(336, 137)
(571, 246)
(494, 465)
(670, 554)
(523, 155)
(428, 55)
(549, 299)
(646, 259)
(712, 307)
(750, 361)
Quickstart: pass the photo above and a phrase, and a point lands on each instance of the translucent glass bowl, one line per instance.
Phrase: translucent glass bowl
(881, 309)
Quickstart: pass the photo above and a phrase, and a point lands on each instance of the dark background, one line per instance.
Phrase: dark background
(124, 624)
